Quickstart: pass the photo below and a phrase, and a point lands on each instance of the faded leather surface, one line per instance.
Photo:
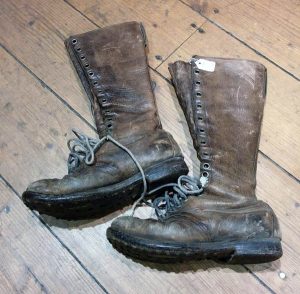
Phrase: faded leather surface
(112, 66)
(224, 112)
(191, 223)
(232, 101)
(111, 167)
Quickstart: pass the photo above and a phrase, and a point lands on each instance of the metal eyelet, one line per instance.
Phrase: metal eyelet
(198, 94)
(197, 71)
(203, 142)
(206, 166)
(198, 83)
(204, 156)
(74, 41)
(205, 174)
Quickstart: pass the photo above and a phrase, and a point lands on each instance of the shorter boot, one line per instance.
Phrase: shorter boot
(223, 101)
(133, 152)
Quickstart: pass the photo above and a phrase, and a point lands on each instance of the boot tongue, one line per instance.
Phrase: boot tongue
(181, 73)
(181, 76)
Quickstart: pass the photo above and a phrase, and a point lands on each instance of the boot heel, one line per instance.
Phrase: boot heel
(166, 172)
(255, 251)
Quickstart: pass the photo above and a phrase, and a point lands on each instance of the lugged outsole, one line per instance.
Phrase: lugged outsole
(251, 251)
(99, 202)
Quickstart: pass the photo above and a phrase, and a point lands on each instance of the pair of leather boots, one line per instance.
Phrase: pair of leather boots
(216, 217)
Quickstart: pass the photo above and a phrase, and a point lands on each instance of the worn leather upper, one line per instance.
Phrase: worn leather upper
(112, 66)
(224, 110)
(192, 223)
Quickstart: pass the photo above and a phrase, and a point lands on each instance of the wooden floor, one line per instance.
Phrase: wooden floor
(42, 100)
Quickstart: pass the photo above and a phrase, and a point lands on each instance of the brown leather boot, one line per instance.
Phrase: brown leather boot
(223, 101)
(133, 151)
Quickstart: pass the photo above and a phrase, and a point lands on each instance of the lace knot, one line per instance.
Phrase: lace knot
(174, 196)
(82, 148)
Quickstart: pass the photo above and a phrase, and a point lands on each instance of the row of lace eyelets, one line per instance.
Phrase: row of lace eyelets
(95, 83)
(205, 157)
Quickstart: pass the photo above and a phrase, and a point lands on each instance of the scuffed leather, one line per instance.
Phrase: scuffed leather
(112, 166)
(116, 57)
(191, 223)
(230, 107)
(232, 100)
(112, 66)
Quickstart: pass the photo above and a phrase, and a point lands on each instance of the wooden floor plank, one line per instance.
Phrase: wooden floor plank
(282, 193)
(167, 23)
(32, 151)
(37, 30)
(281, 124)
(272, 26)
(42, 109)
(32, 260)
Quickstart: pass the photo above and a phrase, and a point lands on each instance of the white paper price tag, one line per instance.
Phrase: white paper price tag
(206, 65)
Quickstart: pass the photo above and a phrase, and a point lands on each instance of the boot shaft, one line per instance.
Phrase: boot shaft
(112, 65)
(223, 105)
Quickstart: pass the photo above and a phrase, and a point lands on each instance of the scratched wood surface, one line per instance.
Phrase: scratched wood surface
(42, 100)
(271, 27)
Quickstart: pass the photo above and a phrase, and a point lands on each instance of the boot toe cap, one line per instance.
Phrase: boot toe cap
(40, 191)
(41, 186)
(134, 226)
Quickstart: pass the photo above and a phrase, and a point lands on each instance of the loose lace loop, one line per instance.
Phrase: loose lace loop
(174, 195)
(83, 149)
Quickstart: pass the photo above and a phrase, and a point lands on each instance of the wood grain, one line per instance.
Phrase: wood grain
(39, 152)
(32, 260)
(280, 138)
(37, 30)
(271, 26)
(282, 193)
(168, 23)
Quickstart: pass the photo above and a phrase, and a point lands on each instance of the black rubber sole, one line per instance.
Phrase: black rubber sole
(99, 202)
(231, 252)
